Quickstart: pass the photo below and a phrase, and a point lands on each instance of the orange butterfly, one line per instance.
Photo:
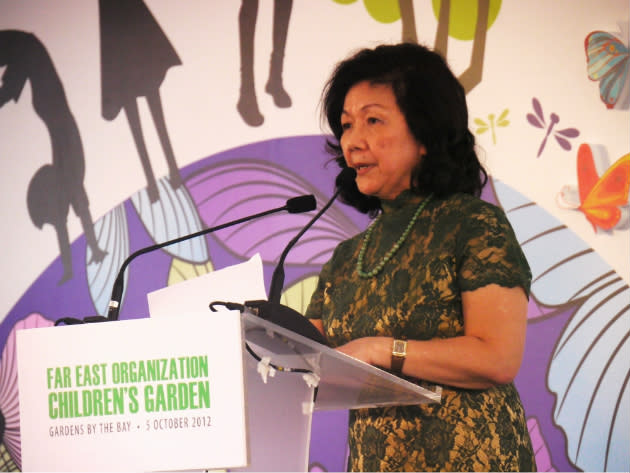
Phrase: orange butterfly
(602, 197)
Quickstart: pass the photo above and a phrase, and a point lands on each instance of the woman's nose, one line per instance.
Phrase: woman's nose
(353, 138)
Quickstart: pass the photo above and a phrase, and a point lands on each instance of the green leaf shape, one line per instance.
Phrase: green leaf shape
(383, 11)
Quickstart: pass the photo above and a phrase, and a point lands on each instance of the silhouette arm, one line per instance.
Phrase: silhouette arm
(13, 81)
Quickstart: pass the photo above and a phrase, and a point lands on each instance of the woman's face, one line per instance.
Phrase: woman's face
(377, 142)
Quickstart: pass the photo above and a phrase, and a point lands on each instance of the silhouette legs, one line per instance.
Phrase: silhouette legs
(274, 87)
(247, 104)
(133, 117)
(155, 105)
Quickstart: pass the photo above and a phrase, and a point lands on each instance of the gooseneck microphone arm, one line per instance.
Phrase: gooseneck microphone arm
(277, 280)
(303, 203)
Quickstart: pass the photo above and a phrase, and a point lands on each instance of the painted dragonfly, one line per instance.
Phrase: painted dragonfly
(492, 123)
(538, 120)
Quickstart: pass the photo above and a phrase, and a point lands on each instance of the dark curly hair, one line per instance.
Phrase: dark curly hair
(433, 103)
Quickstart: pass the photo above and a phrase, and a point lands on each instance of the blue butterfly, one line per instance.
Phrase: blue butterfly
(607, 61)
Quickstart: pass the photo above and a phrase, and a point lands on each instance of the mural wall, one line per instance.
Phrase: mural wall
(126, 123)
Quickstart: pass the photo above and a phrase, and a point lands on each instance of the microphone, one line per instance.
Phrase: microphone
(303, 203)
(278, 313)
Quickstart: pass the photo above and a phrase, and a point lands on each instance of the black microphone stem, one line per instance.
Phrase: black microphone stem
(277, 280)
(117, 291)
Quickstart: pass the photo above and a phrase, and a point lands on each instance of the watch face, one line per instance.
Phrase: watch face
(399, 348)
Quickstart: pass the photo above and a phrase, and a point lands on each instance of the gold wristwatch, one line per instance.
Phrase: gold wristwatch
(399, 352)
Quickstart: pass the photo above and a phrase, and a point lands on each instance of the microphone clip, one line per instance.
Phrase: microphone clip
(279, 314)
(87, 320)
(227, 305)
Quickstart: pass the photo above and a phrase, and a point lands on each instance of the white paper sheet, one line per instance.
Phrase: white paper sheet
(238, 283)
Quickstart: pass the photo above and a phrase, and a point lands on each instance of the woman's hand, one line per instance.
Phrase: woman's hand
(368, 349)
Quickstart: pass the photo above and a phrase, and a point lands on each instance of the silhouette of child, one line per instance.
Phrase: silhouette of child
(135, 56)
(57, 186)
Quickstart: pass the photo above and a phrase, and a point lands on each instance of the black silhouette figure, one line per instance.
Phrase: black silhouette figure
(135, 56)
(57, 186)
(247, 104)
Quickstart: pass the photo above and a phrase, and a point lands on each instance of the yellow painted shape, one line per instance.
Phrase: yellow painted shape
(463, 17)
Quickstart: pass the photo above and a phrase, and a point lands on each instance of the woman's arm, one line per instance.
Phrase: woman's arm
(319, 325)
(488, 354)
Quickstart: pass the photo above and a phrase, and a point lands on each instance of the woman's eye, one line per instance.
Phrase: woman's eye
(345, 126)
(372, 120)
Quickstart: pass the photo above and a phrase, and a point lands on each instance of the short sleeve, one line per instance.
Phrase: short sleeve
(489, 253)
(315, 306)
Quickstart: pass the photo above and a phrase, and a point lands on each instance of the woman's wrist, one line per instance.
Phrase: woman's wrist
(398, 356)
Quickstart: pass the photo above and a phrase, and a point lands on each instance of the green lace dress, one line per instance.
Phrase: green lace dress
(458, 244)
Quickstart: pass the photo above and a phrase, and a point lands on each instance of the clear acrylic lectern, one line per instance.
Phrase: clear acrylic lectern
(280, 404)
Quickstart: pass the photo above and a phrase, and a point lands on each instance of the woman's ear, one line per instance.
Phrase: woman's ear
(422, 150)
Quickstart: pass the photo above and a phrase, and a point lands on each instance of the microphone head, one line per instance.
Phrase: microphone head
(346, 177)
(303, 203)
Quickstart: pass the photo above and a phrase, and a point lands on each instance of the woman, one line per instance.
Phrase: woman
(436, 288)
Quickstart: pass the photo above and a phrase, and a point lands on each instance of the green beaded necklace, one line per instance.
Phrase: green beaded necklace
(393, 250)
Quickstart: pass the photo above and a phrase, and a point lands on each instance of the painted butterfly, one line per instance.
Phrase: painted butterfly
(607, 61)
(602, 199)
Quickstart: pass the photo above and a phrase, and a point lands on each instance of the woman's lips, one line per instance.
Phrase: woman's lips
(363, 168)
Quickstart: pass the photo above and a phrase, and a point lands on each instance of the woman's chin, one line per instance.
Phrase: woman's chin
(366, 187)
(367, 192)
